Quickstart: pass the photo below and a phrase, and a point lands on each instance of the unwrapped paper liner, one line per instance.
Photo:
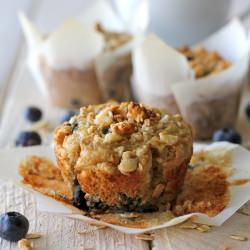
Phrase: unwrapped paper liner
(114, 67)
(239, 195)
(212, 102)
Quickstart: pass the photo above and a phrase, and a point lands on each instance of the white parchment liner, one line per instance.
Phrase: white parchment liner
(156, 66)
(10, 159)
(203, 101)
(155, 82)
(114, 70)
(62, 62)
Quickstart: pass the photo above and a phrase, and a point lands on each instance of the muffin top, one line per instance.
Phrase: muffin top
(121, 134)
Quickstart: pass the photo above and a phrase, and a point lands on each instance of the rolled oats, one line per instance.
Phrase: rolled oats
(32, 236)
(129, 163)
(146, 237)
(238, 237)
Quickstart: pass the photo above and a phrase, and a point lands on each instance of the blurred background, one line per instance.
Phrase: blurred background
(49, 14)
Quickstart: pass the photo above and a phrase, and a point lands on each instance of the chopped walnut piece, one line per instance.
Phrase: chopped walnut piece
(112, 137)
(128, 163)
(168, 139)
(123, 128)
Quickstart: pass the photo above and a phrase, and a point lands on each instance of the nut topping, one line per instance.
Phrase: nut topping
(128, 163)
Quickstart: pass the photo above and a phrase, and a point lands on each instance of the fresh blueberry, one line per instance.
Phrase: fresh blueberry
(28, 138)
(33, 114)
(67, 116)
(227, 134)
(247, 110)
(13, 226)
(79, 199)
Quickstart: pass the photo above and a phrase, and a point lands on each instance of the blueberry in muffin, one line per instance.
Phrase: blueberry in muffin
(124, 156)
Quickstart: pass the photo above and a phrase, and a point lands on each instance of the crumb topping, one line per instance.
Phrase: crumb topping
(203, 61)
(120, 130)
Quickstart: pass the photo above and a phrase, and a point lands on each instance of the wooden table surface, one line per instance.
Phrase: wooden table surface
(17, 91)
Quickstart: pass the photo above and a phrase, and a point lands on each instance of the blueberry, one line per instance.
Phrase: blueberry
(106, 130)
(13, 226)
(33, 114)
(76, 103)
(67, 116)
(28, 138)
(247, 110)
(79, 199)
(227, 134)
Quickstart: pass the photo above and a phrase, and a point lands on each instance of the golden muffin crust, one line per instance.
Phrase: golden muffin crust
(126, 155)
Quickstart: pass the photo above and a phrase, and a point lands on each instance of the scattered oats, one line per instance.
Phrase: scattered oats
(224, 247)
(238, 237)
(188, 225)
(85, 231)
(24, 244)
(98, 226)
(203, 228)
(120, 243)
(245, 210)
(32, 236)
(147, 237)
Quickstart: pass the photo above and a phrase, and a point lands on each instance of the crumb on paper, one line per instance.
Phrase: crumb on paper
(238, 237)
(24, 244)
(205, 188)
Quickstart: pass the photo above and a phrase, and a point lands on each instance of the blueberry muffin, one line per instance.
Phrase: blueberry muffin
(124, 157)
